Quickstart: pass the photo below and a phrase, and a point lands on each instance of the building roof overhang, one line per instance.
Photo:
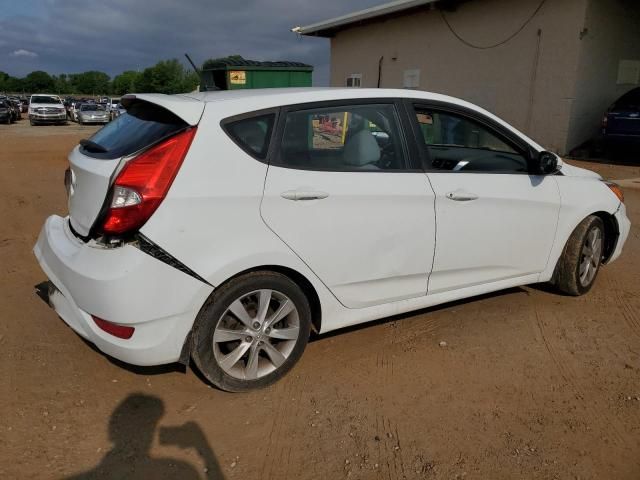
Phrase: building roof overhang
(328, 28)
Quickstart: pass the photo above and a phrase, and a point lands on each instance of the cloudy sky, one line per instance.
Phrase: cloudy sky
(69, 36)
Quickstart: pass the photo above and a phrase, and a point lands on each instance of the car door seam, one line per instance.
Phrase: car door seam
(435, 231)
(555, 236)
(264, 187)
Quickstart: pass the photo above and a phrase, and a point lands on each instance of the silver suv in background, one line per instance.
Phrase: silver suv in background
(45, 108)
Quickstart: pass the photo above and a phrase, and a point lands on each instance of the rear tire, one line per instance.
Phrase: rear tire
(251, 331)
(581, 258)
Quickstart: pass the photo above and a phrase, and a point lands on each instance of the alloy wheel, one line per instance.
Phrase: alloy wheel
(590, 256)
(256, 334)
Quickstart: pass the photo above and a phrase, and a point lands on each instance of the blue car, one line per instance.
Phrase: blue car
(621, 123)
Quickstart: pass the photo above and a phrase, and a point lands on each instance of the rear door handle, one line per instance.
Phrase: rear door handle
(303, 195)
(461, 196)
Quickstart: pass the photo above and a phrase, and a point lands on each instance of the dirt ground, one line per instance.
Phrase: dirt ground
(529, 385)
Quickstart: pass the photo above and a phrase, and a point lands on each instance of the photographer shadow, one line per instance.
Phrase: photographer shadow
(132, 428)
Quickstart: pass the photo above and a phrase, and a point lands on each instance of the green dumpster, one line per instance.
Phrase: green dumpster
(233, 73)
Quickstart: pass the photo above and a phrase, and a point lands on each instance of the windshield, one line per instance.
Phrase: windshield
(43, 99)
(85, 108)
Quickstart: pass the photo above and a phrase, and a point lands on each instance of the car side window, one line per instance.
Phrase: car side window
(252, 134)
(344, 138)
(459, 144)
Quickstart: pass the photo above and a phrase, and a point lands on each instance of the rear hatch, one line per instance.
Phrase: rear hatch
(95, 163)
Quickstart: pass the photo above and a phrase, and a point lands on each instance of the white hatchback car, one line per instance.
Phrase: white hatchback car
(226, 226)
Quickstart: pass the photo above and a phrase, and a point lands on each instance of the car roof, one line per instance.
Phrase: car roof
(310, 94)
(188, 106)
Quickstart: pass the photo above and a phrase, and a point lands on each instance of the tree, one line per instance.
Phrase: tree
(125, 82)
(62, 85)
(91, 82)
(167, 76)
(14, 85)
(39, 82)
(3, 78)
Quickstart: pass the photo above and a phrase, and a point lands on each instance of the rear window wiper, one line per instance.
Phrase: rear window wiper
(93, 146)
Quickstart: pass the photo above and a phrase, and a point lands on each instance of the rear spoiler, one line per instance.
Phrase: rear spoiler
(188, 109)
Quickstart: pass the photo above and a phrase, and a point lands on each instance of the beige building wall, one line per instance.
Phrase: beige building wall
(612, 33)
(499, 79)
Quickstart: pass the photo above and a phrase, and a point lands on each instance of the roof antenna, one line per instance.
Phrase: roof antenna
(192, 64)
(203, 87)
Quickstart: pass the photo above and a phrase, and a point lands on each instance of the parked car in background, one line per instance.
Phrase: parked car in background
(45, 108)
(17, 108)
(73, 110)
(92, 113)
(621, 123)
(24, 104)
(112, 107)
(117, 110)
(167, 255)
(68, 103)
(6, 110)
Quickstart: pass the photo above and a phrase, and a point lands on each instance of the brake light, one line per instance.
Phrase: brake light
(143, 183)
(120, 331)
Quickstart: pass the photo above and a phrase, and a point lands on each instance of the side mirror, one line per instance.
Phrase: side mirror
(548, 163)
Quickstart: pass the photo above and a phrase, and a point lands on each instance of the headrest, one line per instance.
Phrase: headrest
(361, 149)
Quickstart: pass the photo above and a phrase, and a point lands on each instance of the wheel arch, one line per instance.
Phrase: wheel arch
(611, 233)
(299, 279)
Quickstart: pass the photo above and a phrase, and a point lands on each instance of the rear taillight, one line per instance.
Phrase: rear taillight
(605, 120)
(120, 331)
(143, 183)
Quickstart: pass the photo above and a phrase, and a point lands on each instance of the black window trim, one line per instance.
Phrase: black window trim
(409, 148)
(518, 144)
(225, 122)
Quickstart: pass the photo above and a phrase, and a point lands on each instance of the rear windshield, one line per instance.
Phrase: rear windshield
(629, 99)
(43, 99)
(142, 125)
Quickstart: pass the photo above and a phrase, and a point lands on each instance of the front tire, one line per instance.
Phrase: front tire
(251, 331)
(581, 258)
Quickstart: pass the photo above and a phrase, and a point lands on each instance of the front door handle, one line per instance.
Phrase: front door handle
(303, 195)
(461, 196)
